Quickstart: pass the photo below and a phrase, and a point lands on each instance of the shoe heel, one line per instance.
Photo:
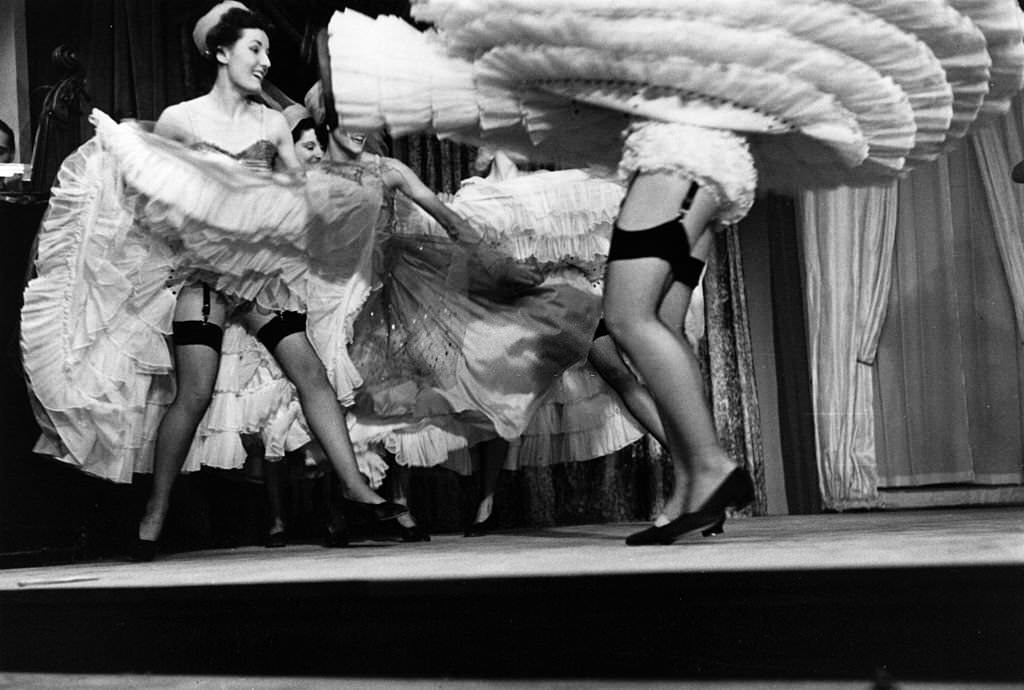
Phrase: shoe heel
(717, 528)
(741, 486)
(143, 551)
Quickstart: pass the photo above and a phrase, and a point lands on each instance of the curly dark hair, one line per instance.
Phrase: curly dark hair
(230, 27)
(309, 123)
(301, 126)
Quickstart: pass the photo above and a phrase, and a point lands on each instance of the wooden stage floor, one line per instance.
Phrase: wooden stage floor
(891, 540)
(929, 596)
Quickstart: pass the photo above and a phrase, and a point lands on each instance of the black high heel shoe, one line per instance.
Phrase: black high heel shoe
(372, 512)
(666, 534)
(275, 540)
(336, 533)
(482, 529)
(336, 537)
(737, 491)
(143, 550)
(411, 534)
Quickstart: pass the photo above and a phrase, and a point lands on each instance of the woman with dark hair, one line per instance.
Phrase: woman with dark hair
(229, 120)
(221, 258)
(309, 149)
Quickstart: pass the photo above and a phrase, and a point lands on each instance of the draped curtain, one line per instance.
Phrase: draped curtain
(915, 299)
(950, 365)
(848, 238)
(998, 148)
(139, 56)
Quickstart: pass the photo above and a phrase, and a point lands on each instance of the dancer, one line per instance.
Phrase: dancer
(200, 232)
(223, 119)
(704, 90)
(563, 220)
(504, 274)
(434, 342)
(308, 152)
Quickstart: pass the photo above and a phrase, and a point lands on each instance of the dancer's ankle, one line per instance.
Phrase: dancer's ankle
(484, 508)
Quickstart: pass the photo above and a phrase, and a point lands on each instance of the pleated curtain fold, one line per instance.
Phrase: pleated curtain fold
(847, 237)
(915, 303)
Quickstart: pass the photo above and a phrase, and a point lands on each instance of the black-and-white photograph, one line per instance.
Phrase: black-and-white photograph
(512, 343)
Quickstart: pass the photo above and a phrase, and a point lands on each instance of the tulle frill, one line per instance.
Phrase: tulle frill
(253, 236)
(557, 219)
(134, 216)
(829, 92)
(277, 241)
(717, 159)
(94, 323)
(563, 220)
(581, 419)
(451, 359)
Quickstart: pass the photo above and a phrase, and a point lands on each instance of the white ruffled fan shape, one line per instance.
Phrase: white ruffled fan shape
(828, 92)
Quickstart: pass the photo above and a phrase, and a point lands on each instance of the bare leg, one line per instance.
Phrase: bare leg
(608, 362)
(273, 483)
(196, 372)
(492, 458)
(633, 295)
(400, 493)
(327, 419)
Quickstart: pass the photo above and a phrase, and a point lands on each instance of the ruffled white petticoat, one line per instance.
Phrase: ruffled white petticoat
(827, 92)
(134, 214)
(94, 323)
(452, 356)
(563, 221)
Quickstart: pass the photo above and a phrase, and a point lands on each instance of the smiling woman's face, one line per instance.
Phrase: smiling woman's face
(307, 149)
(247, 60)
(350, 142)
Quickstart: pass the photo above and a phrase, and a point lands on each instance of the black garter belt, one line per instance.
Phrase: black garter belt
(280, 327)
(198, 332)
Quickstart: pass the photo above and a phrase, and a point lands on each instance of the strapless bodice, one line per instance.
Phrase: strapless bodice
(259, 155)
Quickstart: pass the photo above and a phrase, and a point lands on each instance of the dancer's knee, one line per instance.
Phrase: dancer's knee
(626, 326)
(193, 399)
(308, 375)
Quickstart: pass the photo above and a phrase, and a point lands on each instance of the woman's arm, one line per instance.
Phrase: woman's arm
(282, 138)
(398, 176)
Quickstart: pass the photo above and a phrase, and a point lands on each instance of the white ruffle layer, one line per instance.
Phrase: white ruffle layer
(718, 159)
(96, 319)
(581, 419)
(94, 323)
(557, 219)
(831, 92)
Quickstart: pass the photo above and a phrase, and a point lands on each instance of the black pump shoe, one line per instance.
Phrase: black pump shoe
(373, 512)
(275, 540)
(709, 525)
(481, 529)
(143, 550)
(736, 491)
(411, 534)
(336, 534)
